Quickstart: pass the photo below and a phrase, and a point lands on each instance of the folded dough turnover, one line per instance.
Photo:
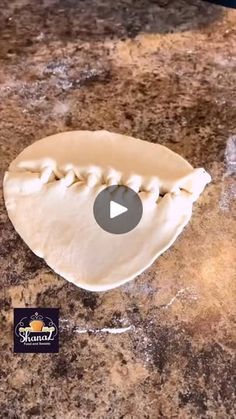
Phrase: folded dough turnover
(50, 189)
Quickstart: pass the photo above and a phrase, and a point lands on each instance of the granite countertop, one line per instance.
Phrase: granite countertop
(164, 71)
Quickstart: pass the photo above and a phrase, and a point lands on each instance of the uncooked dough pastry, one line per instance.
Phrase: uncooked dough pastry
(50, 190)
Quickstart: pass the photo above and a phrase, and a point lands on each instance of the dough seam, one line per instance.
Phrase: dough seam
(70, 178)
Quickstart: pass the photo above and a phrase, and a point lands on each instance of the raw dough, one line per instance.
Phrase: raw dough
(51, 186)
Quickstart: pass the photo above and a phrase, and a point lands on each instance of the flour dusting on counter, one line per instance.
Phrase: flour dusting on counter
(113, 331)
(228, 188)
(66, 324)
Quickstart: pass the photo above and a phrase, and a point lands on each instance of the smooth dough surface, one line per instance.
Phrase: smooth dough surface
(49, 192)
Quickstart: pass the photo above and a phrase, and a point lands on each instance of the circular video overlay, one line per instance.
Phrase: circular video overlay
(118, 209)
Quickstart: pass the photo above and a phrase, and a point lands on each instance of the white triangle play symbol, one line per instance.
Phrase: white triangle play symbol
(116, 209)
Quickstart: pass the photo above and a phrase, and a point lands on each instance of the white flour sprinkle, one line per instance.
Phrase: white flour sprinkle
(228, 191)
(111, 330)
(66, 324)
(182, 292)
(230, 155)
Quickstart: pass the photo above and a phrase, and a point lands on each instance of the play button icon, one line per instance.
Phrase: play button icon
(117, 209)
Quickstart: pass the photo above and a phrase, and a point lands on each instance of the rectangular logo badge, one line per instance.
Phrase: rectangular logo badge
(36, 330)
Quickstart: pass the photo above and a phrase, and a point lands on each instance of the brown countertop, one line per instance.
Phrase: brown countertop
(164, 71)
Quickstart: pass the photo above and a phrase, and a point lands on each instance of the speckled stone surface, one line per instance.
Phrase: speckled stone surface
(164, 71)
